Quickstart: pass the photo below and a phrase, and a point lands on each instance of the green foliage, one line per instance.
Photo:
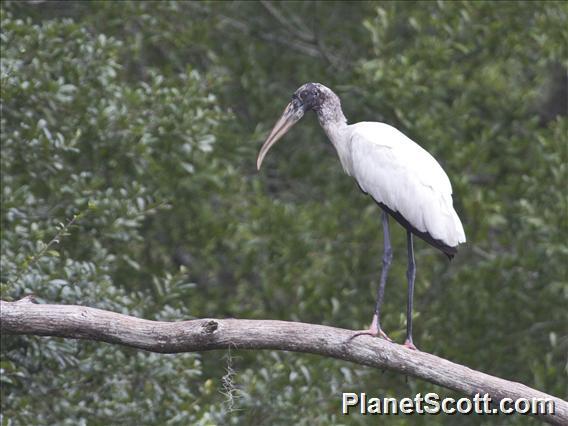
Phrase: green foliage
(129, 134)
(79, 145)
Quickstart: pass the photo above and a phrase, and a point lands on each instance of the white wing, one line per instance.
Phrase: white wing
(399, 173)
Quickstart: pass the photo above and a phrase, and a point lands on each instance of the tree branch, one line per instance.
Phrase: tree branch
(80, 322)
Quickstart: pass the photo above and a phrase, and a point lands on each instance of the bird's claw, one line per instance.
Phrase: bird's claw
(383, 335)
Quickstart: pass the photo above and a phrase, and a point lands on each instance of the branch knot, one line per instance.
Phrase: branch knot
(30, 298)
(210, 326)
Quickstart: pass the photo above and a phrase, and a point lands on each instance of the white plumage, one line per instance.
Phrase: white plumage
(399, 173)
(401, 176)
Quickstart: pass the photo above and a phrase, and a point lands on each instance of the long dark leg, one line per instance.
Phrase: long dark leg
(375, 329)
(387, 260)
(410, 275)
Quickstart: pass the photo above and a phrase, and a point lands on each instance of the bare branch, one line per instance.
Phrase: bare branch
(80, 322)
(304, 44)
(298, 31)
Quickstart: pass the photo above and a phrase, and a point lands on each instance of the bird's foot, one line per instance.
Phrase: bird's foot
(408, 343)
(373, 331)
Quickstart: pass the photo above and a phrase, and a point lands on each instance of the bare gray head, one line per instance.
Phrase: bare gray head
(322, 100)
(310, 96)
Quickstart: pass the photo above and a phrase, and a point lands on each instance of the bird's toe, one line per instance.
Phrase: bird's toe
(374, 332)
(383, 335)
(408, 343)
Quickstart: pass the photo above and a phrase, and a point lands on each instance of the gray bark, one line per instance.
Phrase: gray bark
(80, 322)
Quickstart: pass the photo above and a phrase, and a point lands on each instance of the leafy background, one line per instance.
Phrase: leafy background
(129, 136)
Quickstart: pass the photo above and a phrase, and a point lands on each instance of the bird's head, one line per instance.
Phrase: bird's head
(310, 96)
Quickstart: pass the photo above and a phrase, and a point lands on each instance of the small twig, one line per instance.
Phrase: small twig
(35, 257)
(275, 13)
(320, 43)
(299, 44)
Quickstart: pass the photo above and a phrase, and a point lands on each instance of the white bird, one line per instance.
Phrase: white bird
(401, 176)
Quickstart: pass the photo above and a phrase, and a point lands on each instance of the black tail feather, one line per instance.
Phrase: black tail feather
(440, 245)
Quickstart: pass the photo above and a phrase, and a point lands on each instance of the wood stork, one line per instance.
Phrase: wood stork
(402, 177)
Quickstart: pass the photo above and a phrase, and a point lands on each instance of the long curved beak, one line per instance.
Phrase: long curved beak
(291, 115)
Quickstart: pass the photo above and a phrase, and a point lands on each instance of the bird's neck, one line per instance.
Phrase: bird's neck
(331, 118)
(334, 124)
